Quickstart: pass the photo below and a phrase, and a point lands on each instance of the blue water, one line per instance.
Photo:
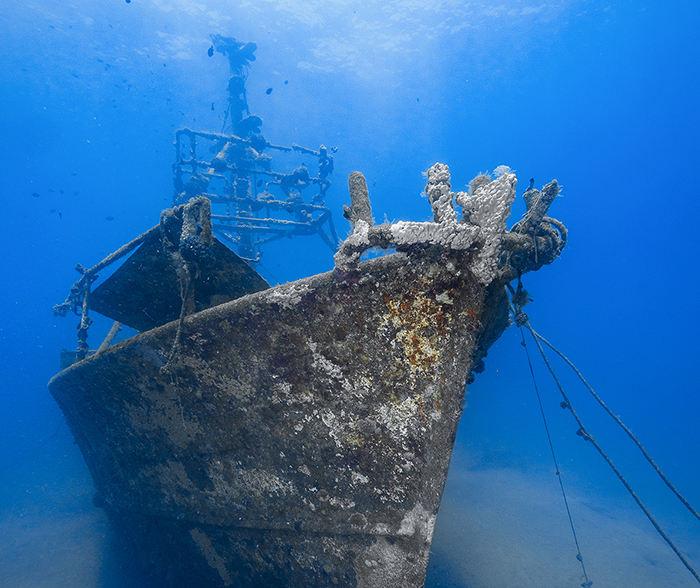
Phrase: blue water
(604, 97)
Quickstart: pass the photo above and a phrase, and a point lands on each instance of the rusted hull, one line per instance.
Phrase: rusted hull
(301, 436)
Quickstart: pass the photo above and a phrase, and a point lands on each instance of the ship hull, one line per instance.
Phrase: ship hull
(298, 436)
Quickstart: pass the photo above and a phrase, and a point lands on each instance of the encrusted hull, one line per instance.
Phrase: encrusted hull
(301, 435)
(298, 435)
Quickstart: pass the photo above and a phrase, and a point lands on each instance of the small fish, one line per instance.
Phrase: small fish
(128, 1)
(52, 191)
(76, 192)
(109, 218)
(52, 211)
(100, 60)
(61, 191)
(36, 194)
(210, 52)
(212, 106)
(259, 183)
(286, 82)
(417, 99)
(268, 91)
(74, 173)
(60, 215)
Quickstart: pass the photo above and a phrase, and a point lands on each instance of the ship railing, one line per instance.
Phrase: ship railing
(78, 300)
(233, 178)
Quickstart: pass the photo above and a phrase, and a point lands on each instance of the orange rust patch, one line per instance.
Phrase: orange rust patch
(419, 401)
(439, 321)
(421, 324)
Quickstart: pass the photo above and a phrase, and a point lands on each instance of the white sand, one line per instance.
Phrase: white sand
(497, 528)
(500, 528)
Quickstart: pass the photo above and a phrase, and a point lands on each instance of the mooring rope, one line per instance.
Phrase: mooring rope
(185, 292)
(587, 583)
(194, 246)
(520, 298)
(622, 425)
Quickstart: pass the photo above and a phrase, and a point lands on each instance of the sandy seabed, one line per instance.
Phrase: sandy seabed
(44, 551)
(501, 528)
(497, 528)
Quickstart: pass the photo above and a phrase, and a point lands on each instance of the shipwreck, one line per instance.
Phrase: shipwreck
(296, 435)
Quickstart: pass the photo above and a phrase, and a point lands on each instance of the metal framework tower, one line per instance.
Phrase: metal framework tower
(251, 204)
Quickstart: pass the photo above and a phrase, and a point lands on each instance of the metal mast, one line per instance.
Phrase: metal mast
(251, 204)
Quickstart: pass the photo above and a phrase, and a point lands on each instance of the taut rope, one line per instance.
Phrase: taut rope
(519, 299)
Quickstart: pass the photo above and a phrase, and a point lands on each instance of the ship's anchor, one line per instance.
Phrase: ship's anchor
(519, 298)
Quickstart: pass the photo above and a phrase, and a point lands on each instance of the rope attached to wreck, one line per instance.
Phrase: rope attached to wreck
(519, 298)
(586, 583)
(186, 231)
(193, 248)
